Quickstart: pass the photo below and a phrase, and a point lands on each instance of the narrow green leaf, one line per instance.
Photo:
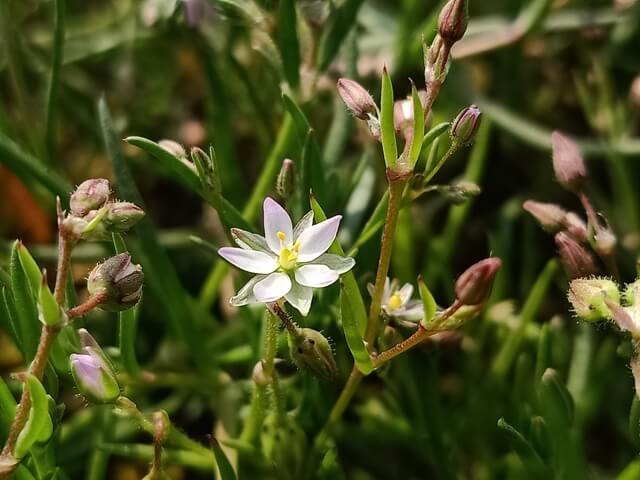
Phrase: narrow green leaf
(312, 171)
(30, 267)
(337, 29)
(9, 318)
(418, 128)
(300, 121)
(25, 305)
(387, 129)
(434, 133)
(555, 399)
(224, 466)
(353, 311)
(287, 38)
(521, 445)
(428, 303)
(543, 359)
(7, 410)
(54, 79)
(28, 168)
(38, 426)
(50, 313)
(159, 270)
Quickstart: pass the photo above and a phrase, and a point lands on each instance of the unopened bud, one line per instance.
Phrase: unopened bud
(604, 242)
(465, 125)
(119, 280)
(568, 164)
(550, 216)
(93, 373)
(285, 182)
(589, 297)
(473, 287)
(359, 102)
(121, 216)
(259, 376)
(576, 227)
(310, 350)
(577, 261)
(453, 20)
(459, 192)
(90, 195)
(173, 147)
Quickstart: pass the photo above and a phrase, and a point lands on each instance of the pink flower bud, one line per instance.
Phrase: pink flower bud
(453, 20)
(577, 261)
(465, 125)
(90, 195)
(122, 216)
(93, 373)
(568, 164)
(576, 227)
(473, 287)
(359, 102)
(120, 280)
(550, 216)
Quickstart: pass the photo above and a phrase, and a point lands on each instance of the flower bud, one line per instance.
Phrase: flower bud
(453, 20)
(285, 182)
(459, 192)
(550, 216)
(465, 125)
(90, 195)
(121, 216)
(589, 296)
(359, 102)
(120, 280)
(93, 375)
(473, 287)
(604, 241)
(576, 227)
(173, 147)
(310, 350)
(577, 261)
(568, 164)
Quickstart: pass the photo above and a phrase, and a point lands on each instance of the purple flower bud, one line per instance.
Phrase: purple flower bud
(550, 216)
(359, 102)
(568, 164)
(577, 261)
(576, 227)
(94, 378)
(465, 125)
(120, 280)
(473, 287)
(453, 20)
(121, 216)
(90, 195)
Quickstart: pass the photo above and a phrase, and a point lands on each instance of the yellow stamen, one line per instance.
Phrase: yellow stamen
(287, 258)
(296, 246)
(281, 235)
(395, 302)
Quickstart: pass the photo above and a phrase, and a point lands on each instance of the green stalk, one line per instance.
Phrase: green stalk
(54, 80)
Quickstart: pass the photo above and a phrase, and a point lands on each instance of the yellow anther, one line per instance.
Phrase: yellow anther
(296, 246)
(395, 301)
(281, 235)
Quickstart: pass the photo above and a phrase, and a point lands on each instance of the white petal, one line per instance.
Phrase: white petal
(304, 223)
(276, 219)
(245, 295)
(405, 293)
(316, 276)
(315, 240)
(370, 288)
(413, 311)
(272, 288)
(335, 262)
(250, 241)
(386, 293)
(300, 298)
(249, 260)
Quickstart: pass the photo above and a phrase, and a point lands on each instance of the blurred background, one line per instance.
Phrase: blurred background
(212, 72)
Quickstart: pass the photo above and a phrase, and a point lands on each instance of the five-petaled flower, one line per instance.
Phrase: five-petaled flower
(289, 261)
(396, 302)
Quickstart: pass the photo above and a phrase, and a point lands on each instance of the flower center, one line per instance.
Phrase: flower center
(288, 254)
(395, 302)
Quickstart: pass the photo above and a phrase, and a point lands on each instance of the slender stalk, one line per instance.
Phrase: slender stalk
(452, 149)
(54, 80)
(65, 246)
(396, 188)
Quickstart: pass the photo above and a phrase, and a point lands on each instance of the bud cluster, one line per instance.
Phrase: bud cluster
(93, 216)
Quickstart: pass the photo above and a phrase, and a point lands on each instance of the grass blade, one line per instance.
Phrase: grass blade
(287, 39)
(387, 130)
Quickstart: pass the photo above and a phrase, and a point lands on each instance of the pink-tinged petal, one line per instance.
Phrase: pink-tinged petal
(276, 219)
(245, 295)
(315, 240)
(272, 288)
(300, 298)
(249, 260)
(317, 276)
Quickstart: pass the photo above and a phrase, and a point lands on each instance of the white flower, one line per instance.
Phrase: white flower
(396, 302)
(289, 262)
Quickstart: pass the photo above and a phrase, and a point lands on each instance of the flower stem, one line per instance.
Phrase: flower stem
(396, 188)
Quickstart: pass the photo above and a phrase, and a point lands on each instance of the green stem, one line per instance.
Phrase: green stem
(455, 146)
(54, 81)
